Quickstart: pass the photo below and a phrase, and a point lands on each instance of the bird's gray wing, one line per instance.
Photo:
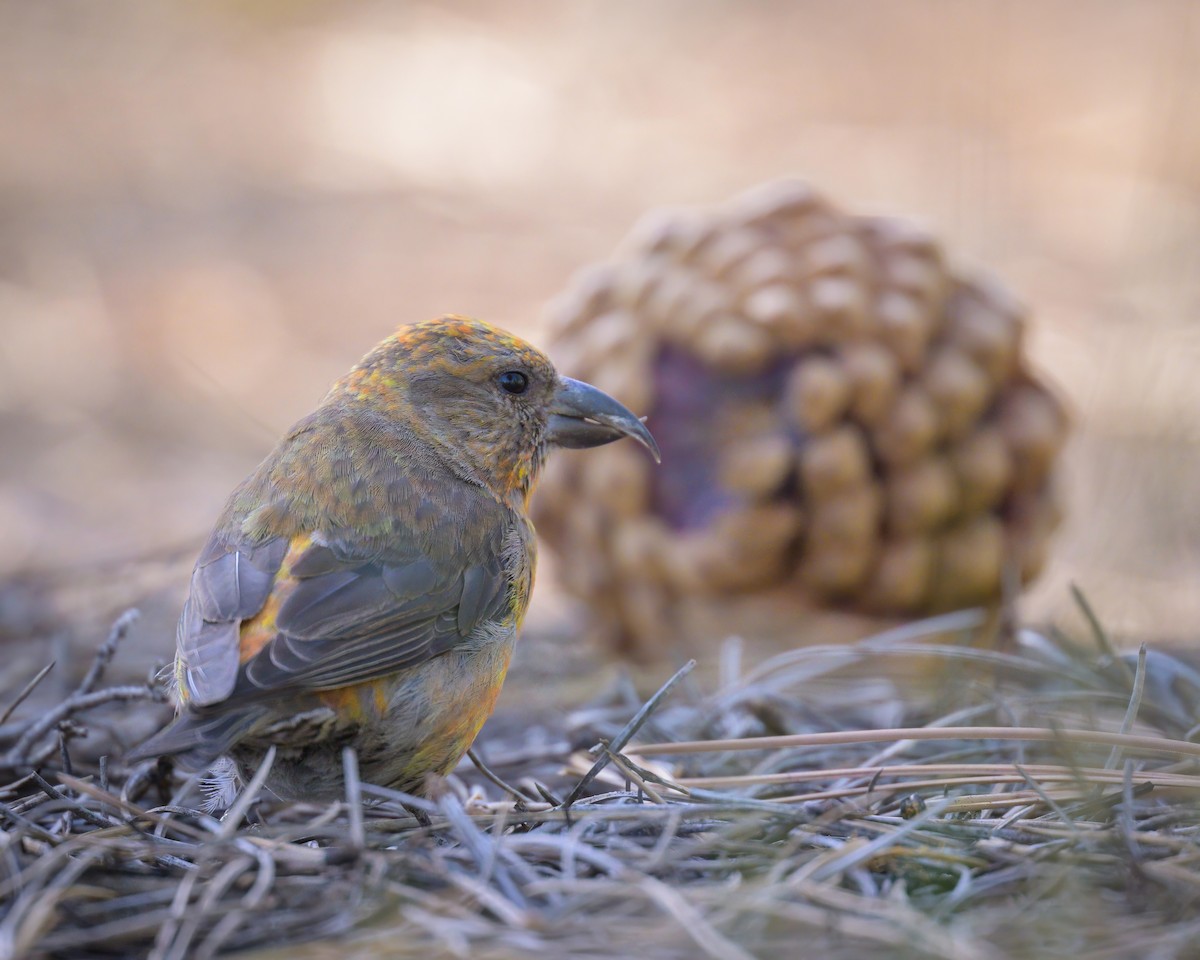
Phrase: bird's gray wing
(230, 583)
(339, 618)
(344, 621)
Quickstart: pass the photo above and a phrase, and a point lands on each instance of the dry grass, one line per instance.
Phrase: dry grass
(1041, 801)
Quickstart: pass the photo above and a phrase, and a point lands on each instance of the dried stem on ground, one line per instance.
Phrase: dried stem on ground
(809, 797)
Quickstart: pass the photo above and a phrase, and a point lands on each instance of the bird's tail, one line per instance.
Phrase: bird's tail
(197, 738)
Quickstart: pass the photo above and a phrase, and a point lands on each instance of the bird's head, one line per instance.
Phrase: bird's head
(491, 403)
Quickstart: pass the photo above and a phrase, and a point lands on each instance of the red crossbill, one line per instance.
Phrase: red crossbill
(364, 585)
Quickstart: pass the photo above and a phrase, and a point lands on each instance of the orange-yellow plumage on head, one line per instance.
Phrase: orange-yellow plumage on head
(440, 377)
(365, 583)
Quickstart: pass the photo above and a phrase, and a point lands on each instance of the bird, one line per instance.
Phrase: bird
(364, 585)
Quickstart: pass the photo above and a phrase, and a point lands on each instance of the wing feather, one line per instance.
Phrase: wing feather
(229, 584)
(338, 609)
(359, 623)
(340, 627)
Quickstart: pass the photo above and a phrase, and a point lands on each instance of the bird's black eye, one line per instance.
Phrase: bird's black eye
(514, 381)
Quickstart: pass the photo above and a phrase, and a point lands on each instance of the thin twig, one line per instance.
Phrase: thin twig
(19, 755)
(107, 650)
(27, 690)
(1047, 799)
(1099, 634)
(628, 731)
(1135, 703)
(1160, 745)
(632, 775)
(358, 840)
(491, 775)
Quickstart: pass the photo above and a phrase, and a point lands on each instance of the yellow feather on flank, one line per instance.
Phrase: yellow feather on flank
(347, 702)
(259, 630)
(467, 702)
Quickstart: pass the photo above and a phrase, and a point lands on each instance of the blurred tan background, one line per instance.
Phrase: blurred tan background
(209, 210)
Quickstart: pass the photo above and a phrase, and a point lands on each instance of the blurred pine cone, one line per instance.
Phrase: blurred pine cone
(841, 415)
